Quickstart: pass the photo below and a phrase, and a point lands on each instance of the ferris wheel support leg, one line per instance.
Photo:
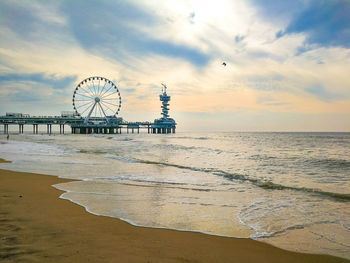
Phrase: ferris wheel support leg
(88, 117)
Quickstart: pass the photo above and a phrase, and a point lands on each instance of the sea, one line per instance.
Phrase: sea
(291, 190)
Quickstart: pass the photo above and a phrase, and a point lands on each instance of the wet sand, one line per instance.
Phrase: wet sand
(37, 226)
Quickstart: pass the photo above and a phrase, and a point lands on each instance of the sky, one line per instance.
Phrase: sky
(287, 62)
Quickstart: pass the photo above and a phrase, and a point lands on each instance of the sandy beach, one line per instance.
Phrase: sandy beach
(37, 226)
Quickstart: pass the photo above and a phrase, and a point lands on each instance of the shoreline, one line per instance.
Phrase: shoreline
(38, 226)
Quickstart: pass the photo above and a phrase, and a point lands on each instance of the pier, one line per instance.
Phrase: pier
(97, 97)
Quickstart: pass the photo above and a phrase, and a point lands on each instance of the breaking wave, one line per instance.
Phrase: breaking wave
(257, 182)
(329, 163)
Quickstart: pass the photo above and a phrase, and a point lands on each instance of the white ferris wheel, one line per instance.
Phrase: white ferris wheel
(95, 98)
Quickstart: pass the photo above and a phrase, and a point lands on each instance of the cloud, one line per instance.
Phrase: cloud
(51, 80)
(320, 92)
(325, 23)
(31, 21)
(239, 38)
(35, 93)
(130, 90)
(115, 28)
(18, 18)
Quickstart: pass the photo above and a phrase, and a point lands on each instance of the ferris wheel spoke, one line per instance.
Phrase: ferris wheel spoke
(84, 104)
(110, 99)
(102, 88)
(84, 95)
(109, 95)
(103, 110)
(88, 87)
(96, 87)
(106, 91)
(108, 108)
(84, 110)
(110, 103)
(86, 90)
(90, 91)
(83, 100)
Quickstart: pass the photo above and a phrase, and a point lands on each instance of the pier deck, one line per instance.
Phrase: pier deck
(78, 125)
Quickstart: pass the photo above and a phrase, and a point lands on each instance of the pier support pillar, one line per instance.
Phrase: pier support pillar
(49, 128)
(138, 129)
(6, 128)
(20, 128)
(61, 128)
(173, 130)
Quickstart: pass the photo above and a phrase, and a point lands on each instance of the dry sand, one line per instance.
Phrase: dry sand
(37, 226)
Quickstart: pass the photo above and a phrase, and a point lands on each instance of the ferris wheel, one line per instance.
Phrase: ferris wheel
(96, 97)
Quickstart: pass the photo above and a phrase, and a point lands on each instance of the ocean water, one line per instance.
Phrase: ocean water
(291, 190)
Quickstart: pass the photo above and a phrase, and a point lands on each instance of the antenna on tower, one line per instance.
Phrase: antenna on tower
(164, 88)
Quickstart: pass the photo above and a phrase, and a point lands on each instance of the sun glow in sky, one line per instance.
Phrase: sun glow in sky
(287, 61)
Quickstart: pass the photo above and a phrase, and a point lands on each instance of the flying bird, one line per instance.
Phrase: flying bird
(224, 64)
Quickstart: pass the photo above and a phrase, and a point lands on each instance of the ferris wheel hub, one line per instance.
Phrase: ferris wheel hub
(97, 99)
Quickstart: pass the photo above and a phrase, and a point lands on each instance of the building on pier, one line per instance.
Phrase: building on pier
(164, 124)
